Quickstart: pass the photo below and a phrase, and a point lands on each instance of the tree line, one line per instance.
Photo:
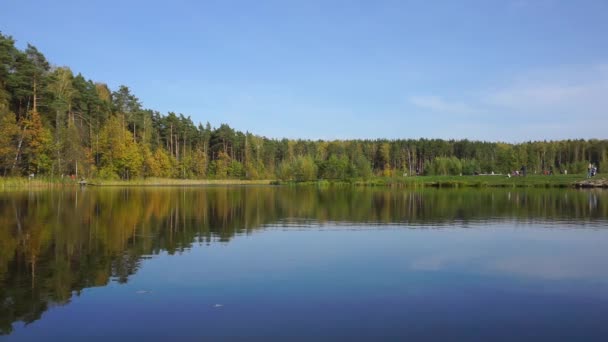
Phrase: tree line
(55, 123)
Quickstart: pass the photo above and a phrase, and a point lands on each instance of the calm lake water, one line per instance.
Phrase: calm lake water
(304, 264)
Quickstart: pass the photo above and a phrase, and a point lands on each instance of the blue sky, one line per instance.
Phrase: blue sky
(491, 70)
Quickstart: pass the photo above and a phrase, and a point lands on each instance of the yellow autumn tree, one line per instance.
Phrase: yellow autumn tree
(37, 142)
(120, 154)
(158, 164)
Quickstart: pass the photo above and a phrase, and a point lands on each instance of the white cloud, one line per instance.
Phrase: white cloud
(558, 103)
(581, 91)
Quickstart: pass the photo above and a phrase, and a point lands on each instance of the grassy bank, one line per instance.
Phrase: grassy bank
(176, 182)
(18, 183)
(537, 181)
(21, 183)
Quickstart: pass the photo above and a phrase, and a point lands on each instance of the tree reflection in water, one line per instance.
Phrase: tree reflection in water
(53, 244)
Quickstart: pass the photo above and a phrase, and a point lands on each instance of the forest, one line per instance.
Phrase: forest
(54, 123)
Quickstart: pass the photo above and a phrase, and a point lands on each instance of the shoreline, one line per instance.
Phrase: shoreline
(487, 181)
(177, 182)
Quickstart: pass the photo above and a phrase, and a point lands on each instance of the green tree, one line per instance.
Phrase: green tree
(304, 168)
(506, 159)
(8, 140)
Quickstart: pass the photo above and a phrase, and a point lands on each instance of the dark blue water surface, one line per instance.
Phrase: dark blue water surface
(274, 263)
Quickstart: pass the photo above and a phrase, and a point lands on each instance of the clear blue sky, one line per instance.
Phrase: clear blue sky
(493, 70)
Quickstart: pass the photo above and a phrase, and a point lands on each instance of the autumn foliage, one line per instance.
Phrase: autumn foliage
(55, 123)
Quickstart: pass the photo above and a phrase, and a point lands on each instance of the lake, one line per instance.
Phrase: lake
(304, 263)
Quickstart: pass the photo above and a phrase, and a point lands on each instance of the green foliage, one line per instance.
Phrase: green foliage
(335, 168)
(235, 169)
(361, 168)
(470, 167)
(445, 166)
(71, 152)
(304, 169)
(8, 140)
(300, 169)
(577, 167)
(198, 165)
(603, 167)
(506, 159)
(83, 127)
(220, 167)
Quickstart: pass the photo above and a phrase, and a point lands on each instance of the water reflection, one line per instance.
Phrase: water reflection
(54, 244)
